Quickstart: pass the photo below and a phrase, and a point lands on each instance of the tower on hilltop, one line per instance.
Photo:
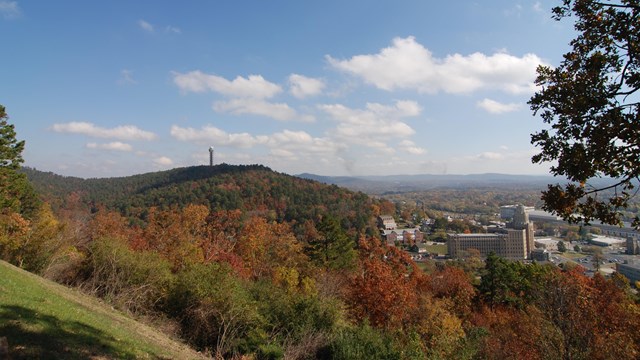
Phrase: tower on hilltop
(211, 156)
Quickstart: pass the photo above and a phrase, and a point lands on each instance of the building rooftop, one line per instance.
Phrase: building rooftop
(479, 234)
(606, 240)
(543, 215)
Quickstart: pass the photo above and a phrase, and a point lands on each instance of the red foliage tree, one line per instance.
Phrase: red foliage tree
(454, 284)
(383, 289)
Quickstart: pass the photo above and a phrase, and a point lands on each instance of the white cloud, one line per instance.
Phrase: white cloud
(163, 161)
(278, 111)
(409, 65)
(282, 153)
(537, 7)
(173, 29)
(402, 108)
(302, 86)
(496, 107)
(376, 122)
(300, 142)
(285, 144)
(145, 26)
(115, 146)
(213, 136)
(488, 155)
(255, 86)
(9, 9)
(411, 148)
(125, 132)
(126, 77)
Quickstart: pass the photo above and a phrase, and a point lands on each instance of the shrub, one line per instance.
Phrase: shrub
(215, 309)
(361, 342)
(135, 281)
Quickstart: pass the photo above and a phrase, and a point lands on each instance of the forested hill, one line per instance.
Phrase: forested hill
(250, 188)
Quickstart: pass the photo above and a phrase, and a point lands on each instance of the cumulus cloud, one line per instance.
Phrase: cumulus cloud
(114, 146)
(411, 148)
(145, 26)
(301, 86)
(254, 86)
(278, 111)
(496, 107)
(163, 161)
(282, 153)
(374, 124)
(212, 135)
(300, 142)
(285, 144)
(488, 155)
(406, 64)
(125, 132)
(9, 9)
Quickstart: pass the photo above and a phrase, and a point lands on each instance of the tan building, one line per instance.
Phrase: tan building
(386, 222)
(510, 244)
(405, 236)
(515, 243)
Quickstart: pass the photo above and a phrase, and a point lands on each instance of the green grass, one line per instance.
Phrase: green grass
(573, 255)
(438, 249)
(44, 320)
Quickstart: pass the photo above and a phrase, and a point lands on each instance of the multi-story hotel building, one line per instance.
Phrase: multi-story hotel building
(515, 242)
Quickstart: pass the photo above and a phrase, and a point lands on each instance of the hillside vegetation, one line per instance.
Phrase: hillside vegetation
(251, 188)
(44, 320)
(244, 262)
(288, 270)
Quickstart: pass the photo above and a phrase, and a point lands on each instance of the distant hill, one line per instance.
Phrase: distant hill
(379, 185)
(250, 188)
(44, 320)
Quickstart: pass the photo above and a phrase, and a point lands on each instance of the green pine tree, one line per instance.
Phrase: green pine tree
(16, 193)
(332, 248)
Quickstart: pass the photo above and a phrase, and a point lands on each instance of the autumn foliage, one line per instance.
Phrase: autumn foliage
(239, 282)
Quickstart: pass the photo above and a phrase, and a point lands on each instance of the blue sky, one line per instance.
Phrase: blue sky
(114, 88)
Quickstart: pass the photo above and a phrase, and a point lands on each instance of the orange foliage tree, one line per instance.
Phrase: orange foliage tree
(518, 334)
(264, 246)
(597, 318)
(383, 289)
(454, 284)
(176, 234)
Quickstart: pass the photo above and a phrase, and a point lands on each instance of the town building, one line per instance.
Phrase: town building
(408, 236)
(386, 222)
(624, 231)
(547, 243)
(630, 269)
(516, 242)
(540, 255)
(633, 247)
(601, 240)
(510, 244)
(508, 211)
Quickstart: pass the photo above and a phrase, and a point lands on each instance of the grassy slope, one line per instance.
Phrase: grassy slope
(44, 320)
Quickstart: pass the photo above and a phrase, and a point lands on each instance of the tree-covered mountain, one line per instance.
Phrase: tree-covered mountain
(249, 188)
